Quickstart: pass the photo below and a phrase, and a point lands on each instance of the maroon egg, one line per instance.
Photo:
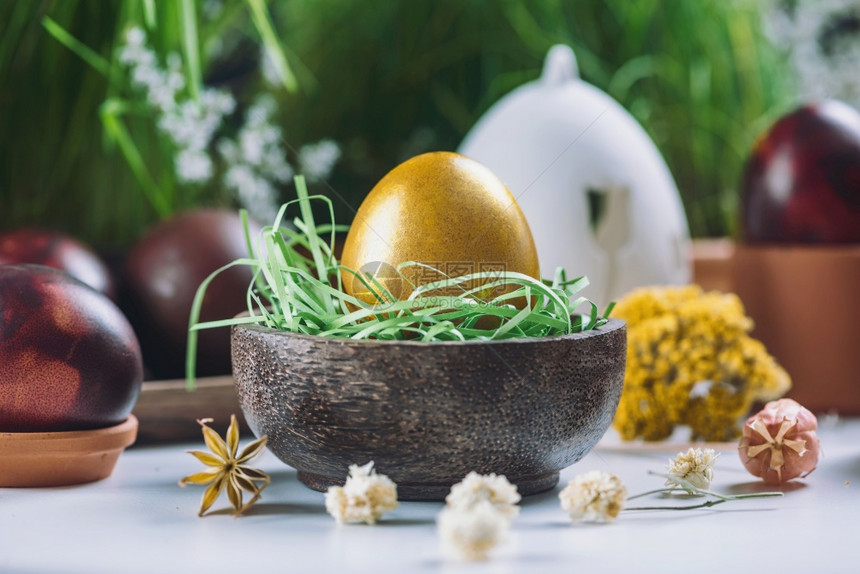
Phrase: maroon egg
(53, 249)
(162, 274)
(69, 360)
(802, 181)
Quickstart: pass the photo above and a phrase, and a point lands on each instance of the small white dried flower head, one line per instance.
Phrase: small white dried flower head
(594, 497)
(317, 160)
(135, 36)
(821, 40)
(471, 532)
(193, 166)
(188, 124)
(476, 489)
(694, 467)
(365, 497)
(259, 114)
(254, 193)
(256, 160)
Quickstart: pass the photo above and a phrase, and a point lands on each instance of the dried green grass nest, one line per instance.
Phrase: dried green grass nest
(297, 287)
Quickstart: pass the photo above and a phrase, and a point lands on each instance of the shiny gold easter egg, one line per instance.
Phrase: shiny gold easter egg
(443, 210)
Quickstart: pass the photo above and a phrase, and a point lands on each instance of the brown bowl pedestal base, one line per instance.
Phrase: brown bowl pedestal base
(433, 492)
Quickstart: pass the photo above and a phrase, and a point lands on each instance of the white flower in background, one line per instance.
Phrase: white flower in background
(594, 497)
(135, 38)
(365, 497)
(471, 532)
(257, 160)
(476, 489)
(193, 165)
(822, 38)
(189, 124)
(694, 467)
(317, 160)
(255, 193)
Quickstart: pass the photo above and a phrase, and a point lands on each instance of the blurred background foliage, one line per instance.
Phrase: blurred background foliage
(387, 79)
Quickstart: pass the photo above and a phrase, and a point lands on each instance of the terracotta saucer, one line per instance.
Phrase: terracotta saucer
(34, 459)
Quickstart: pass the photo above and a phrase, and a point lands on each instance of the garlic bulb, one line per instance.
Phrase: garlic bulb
(779, 443)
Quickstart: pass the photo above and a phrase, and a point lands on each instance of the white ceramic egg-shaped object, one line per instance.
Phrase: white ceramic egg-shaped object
(597, 194)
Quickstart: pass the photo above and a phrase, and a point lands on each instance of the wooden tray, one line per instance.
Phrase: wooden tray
(169, 412)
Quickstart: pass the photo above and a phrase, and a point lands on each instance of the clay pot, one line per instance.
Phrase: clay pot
(712, 264)
(63, 458)
(805, 302)
(428, 413)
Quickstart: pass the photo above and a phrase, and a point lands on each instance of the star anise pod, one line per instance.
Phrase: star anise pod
(227, 471)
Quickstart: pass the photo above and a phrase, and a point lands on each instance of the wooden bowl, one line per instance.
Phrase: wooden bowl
(428, 413)
(62, 458)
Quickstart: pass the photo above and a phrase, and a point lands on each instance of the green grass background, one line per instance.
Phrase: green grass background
(386, 79)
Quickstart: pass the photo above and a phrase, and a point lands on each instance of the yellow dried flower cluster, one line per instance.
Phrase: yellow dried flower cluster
(691, 361)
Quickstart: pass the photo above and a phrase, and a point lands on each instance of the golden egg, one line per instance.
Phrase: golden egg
(441, 209)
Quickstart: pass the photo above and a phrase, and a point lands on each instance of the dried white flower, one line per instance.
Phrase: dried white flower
(189, 125)
(317, 160)
(471, 532)
(476, 489)
(694, 467)
(193, 166)
(255, 193)
(135, 37)
(365, 497)
(257, 161)
(822, 39)
(594, 497)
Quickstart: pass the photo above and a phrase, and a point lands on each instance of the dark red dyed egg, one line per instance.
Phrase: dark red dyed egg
(69, 360)
(802, 181)
(162, 274)
(54, 249)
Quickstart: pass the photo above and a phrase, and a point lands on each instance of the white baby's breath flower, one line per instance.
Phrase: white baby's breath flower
(365, 497)
(188, 124)
(275, 167)
(219, 102)
(317, 160)
(229, 151)
(257, 160)
(251, 145)
(135, 36)
(146, 76)
(254, 193)
(822, 41)
(471, 532)
(694, 467)
(594, 497)
(476, 489)
(193, 166)
(261, 111)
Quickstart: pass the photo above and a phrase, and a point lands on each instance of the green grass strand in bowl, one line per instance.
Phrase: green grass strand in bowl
(297, 287)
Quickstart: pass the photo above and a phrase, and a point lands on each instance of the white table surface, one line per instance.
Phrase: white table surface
(139, 520)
